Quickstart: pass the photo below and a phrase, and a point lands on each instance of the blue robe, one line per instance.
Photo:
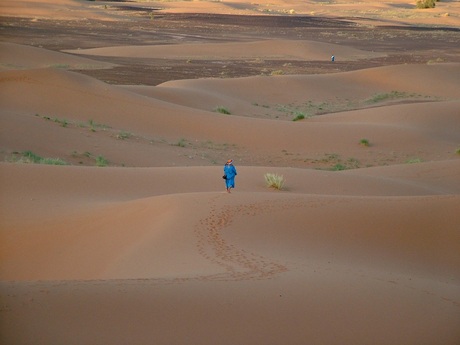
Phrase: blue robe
(230, 171)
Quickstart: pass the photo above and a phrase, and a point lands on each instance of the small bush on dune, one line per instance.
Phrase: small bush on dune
(457, 151)
(364, 142)
(299, 116)
(274, 180)
(425, 3)
(222, 110)
(339, 167)
(101, 161)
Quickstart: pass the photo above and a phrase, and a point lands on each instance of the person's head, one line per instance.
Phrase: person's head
(230, 161)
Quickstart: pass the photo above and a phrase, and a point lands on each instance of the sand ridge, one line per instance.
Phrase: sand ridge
(269, 49)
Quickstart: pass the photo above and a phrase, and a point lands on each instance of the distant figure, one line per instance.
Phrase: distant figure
(332, 58)
(229, 175)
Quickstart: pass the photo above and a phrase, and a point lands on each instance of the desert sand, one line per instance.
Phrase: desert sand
(134, 239)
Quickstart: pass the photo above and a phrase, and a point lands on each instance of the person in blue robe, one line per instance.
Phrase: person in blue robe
(229, 174)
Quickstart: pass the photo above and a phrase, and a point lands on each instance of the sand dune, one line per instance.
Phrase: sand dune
(269, 49)
(105, 212)
(141, 239)
(396, 12)
(405, 129)
(15, 56)
(424, 82)
(186, 252)
(55, 9)
(152, 249)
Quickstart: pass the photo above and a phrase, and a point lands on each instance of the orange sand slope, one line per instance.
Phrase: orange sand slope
(185, 109)
(112, 214)
(164, 247)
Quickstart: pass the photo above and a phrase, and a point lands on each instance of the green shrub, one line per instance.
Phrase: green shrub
(339, 167)
(222, 110)
(101, 161)
(457, 151)
(299, 116)
(364, 142)
(425, 3)
(274, 180)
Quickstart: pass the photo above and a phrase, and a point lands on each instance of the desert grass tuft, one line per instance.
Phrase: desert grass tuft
(101, 161)
(425, 3)
(274, 180)
(364, 142)
(221, 109)
(339, 167)
(299, 116)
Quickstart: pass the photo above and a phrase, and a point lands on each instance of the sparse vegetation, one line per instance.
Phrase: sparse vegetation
(93, 125)
(274, 180)
(221, 109)
(32, 158)
(433, 61)
(65, 123)
(277, 72)
(382, 97)
(99, 161)
(310, 108)
(60, 66)
(457, 151)
(334, 162)
(414, 161)
(62, 122)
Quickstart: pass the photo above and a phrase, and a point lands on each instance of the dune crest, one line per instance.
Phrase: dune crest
(269, 49)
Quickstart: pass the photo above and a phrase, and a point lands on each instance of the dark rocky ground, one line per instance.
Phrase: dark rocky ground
(401, 44)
